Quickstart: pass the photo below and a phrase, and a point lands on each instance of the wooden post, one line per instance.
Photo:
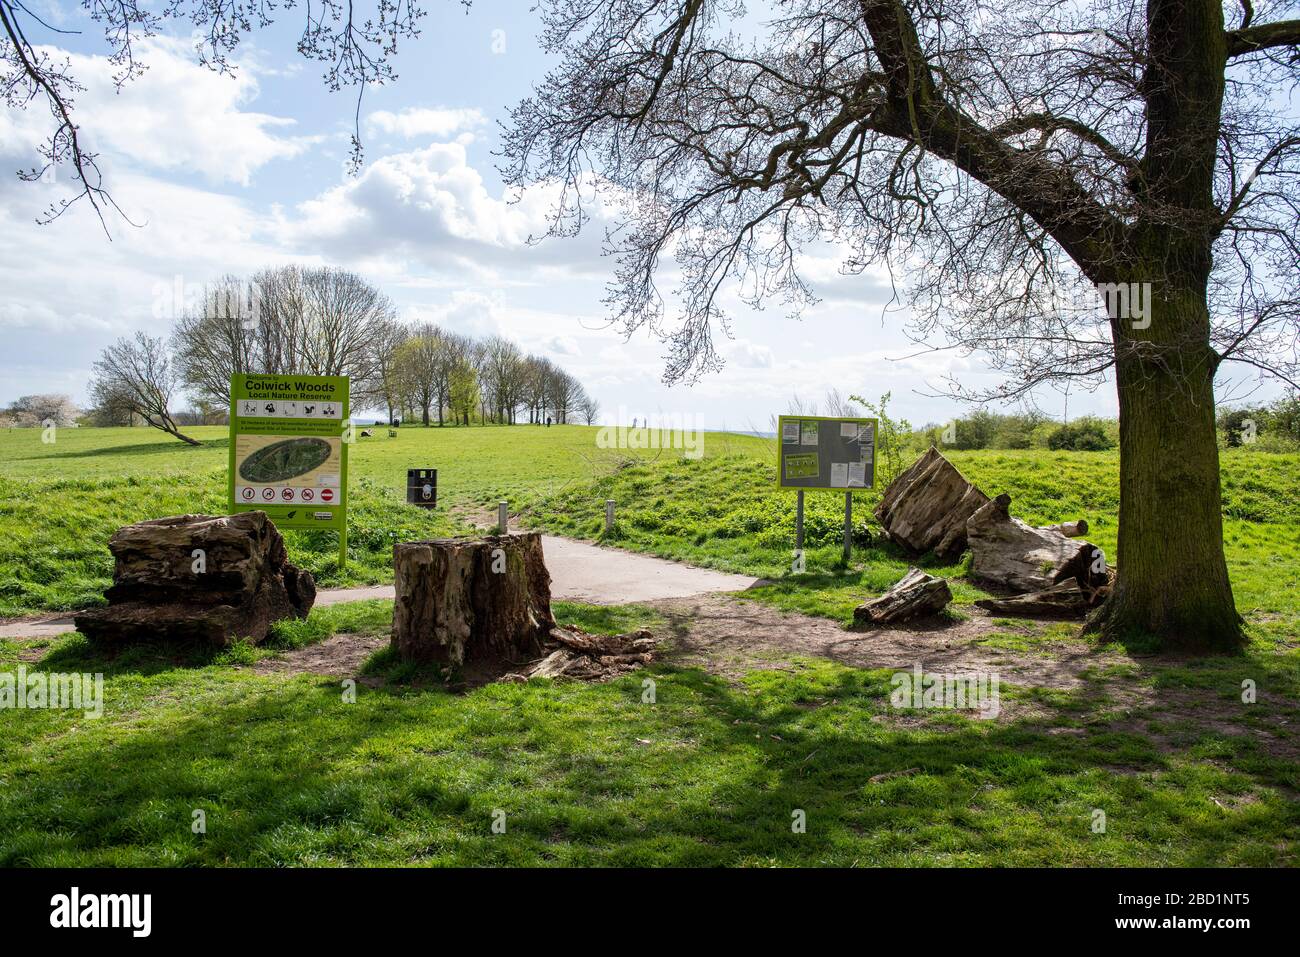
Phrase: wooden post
(609, 515)
(503, 518)
(848, 525)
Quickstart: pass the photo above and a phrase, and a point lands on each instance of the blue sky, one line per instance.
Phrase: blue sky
(228, 175)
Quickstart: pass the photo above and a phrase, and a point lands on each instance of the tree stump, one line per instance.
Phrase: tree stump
(211, 578)
(463, 600)
(916, 594)
(1009, 552)
(926, 507)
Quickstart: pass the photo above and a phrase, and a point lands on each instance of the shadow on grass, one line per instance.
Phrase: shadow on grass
(712, 774)
(126, 451)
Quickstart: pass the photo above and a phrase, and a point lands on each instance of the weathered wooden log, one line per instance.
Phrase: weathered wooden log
(927, 506)
(1065, 599)
(1068, 529)
(590, 657)
(916, 594)
(459, 600)
(1006, 551)
(212, 578)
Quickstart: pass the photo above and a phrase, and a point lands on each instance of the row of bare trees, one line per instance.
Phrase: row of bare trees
(294, 320)
(435, 374)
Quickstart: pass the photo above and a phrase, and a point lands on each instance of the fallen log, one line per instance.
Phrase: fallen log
(1066, 598)
(1008, 552)
(1068, 529)
(208, 578)
(927, 506)
(460, 600)
(916, 594)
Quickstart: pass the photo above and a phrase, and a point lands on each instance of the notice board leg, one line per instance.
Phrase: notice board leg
(848, 525)
(798, 523)
(343, 547)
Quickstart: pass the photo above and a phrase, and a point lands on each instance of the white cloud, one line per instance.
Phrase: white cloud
(564, 346)
(437, 123)
(748, 355)
(431, 206)
(177, 116)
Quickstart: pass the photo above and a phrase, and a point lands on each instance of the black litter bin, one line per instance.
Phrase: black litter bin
(422, 487)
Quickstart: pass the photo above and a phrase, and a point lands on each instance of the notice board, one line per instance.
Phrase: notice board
(288, 456)
(825, 452)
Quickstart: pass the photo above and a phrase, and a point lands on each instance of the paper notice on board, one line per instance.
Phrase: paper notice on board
(804, 465)
(790, 433)
(857, 474)
(848, 430)
(839, 475)
(866, 453)
(865, 432)
(808, 433)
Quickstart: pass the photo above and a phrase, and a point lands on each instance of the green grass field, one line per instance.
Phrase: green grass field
(288, 772)
(60, 502)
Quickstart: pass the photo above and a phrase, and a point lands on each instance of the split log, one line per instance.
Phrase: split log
(927, 506)
(210, 578)
(460, 600)
(916, 594)
(1006, 551)
(1067, 599)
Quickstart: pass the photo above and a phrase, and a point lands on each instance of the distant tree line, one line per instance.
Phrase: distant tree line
(296, 320)
(1270, 427)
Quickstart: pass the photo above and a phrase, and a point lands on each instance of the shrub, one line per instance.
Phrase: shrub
(1081, 435)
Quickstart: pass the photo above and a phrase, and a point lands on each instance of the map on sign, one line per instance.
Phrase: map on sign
(287, 454)
(824, 452)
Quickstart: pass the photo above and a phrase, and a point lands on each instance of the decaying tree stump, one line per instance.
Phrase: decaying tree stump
(1065, 599)
(212, 578)
(1008, 552)
(927, 506)
(916, 594)
(462, 600)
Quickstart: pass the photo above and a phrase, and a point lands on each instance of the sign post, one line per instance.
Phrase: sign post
(826, 452)
(289, 451)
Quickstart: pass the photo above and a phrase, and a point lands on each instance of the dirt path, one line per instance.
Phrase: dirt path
(726, 634)
(579, 572)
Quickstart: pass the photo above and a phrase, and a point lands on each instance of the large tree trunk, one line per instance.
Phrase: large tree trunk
(1172, 581)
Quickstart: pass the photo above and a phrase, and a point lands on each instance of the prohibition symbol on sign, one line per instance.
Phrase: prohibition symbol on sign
(327, 495)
